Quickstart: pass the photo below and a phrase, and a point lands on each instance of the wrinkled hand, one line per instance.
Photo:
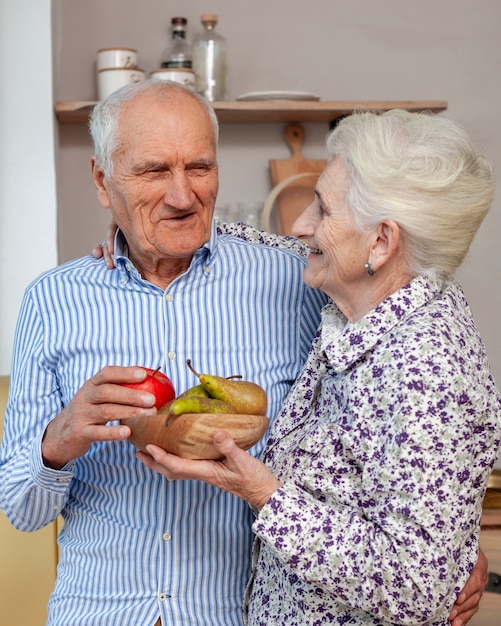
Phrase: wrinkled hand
(239, 472)
(100, 400)
(468, 601)
(106, 249)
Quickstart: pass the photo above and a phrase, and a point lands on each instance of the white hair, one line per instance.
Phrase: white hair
(104, 119)
(422, 171)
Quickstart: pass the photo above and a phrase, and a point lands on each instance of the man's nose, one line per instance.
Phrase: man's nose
(179, 193)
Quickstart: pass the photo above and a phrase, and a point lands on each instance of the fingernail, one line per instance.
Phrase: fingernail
(148, 398)
(453, 615)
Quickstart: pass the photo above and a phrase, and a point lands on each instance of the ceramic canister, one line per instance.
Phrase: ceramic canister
(112, 78)
(116, 57)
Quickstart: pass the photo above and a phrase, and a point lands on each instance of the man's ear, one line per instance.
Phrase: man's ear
(101, 184)
(387, 237)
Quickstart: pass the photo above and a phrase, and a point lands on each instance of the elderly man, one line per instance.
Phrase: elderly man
(135, 548)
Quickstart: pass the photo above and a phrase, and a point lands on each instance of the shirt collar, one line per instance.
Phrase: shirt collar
(343, 343)
(121, 255)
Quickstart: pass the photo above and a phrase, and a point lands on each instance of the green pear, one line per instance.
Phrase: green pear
(246, 397)
(194, 404)
(199, 391)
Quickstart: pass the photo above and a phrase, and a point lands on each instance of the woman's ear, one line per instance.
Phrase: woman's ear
(101, 184)
(387, 237)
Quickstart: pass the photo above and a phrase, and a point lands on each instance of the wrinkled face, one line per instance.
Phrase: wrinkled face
(339, 251)
(165, 180)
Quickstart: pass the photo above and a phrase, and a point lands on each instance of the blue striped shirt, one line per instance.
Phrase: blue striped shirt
(135, 546)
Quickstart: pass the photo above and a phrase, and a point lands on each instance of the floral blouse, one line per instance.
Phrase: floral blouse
(384, 447)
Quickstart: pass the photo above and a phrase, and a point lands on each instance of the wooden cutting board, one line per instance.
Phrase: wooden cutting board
(298, 194)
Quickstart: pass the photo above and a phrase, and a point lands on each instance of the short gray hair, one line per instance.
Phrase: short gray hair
(422, 171)
(104, 119)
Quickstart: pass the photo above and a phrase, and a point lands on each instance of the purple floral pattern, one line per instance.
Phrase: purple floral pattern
(384, 447)
(253, 235)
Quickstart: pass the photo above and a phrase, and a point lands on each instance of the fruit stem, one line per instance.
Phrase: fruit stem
(188, 363)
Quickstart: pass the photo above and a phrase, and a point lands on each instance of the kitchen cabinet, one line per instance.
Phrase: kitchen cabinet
(490, 542)
(27, 563)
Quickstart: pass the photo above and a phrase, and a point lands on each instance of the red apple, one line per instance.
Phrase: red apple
(158, 384)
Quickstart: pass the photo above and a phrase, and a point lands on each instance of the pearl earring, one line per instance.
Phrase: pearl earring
(370, 269)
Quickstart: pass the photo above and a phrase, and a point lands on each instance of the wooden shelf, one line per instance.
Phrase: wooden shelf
(272, 110)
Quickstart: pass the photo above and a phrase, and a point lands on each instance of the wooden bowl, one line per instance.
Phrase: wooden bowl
(190, 435)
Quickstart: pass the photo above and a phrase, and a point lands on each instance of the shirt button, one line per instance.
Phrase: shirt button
(166, 536)
(169, 297)
(128, 266)
(207, 270)
(171, 355)
(123, 281)
(162, 597)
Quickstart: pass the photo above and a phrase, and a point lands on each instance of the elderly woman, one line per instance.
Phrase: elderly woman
(369, 494)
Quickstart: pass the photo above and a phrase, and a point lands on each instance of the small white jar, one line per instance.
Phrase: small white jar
(112, 78)
(116, 57)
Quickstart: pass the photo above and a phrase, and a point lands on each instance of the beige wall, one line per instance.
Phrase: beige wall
(357, 50)
(361, 49)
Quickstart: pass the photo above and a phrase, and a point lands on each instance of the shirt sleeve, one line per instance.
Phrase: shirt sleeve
(31, 494)
(251, 234)
(313, 302)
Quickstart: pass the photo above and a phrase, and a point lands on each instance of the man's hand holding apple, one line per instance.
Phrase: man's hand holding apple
(114, 393)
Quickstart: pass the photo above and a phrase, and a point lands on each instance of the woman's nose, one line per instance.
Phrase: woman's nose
(303, 226)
